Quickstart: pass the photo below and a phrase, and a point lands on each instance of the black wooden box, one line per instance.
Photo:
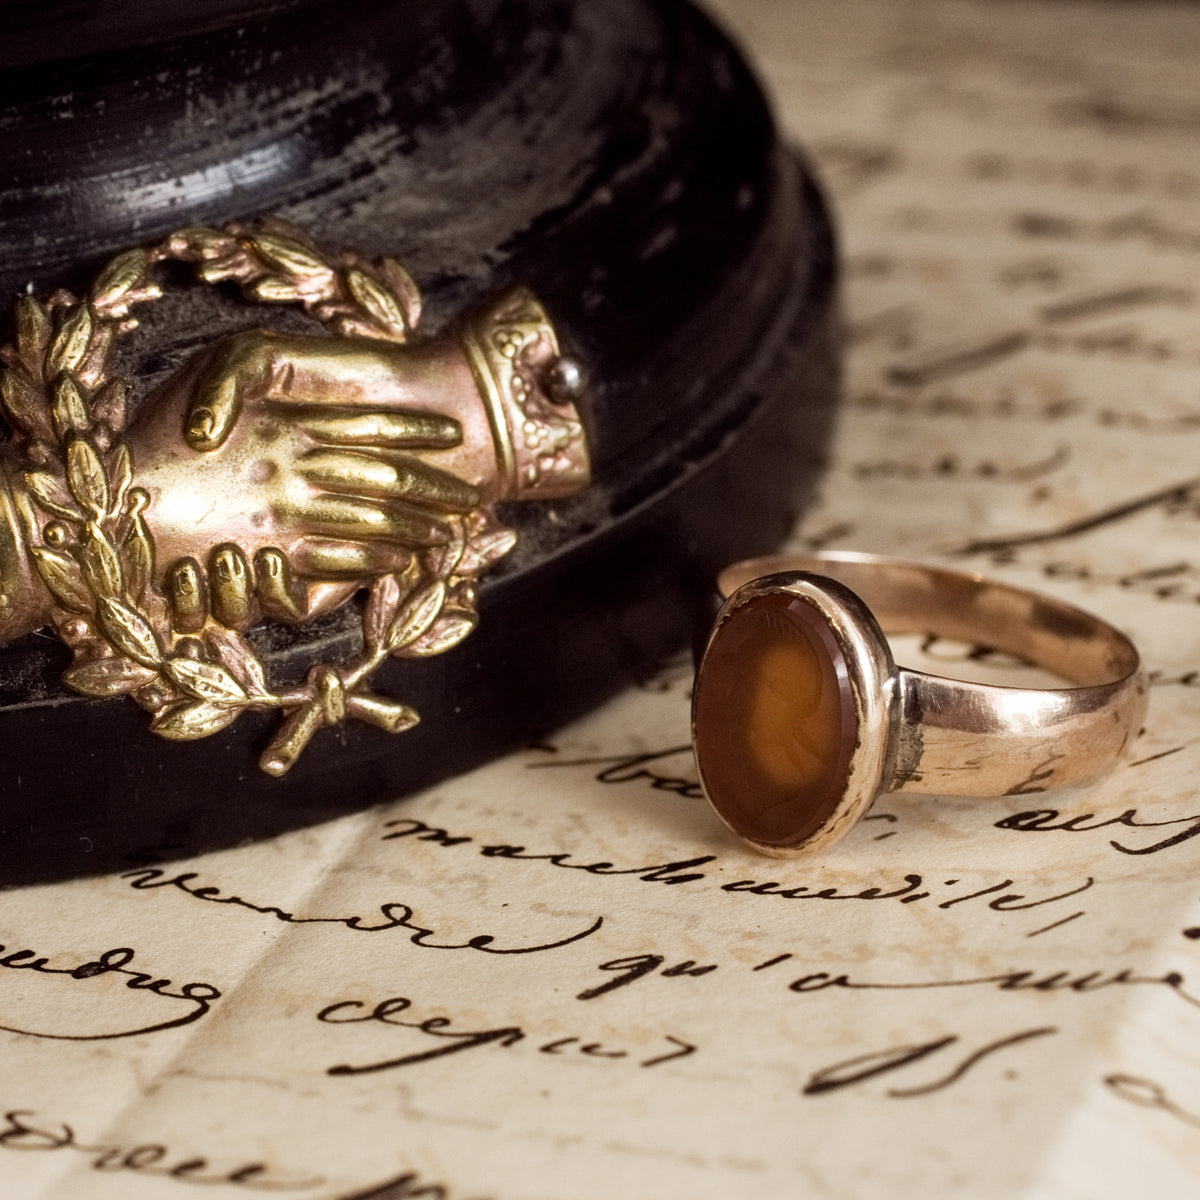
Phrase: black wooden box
(618, 157)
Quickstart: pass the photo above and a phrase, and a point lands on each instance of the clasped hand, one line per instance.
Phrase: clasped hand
(286, 471)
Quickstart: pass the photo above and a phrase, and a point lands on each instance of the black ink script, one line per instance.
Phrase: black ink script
(390, 916)
(636, 966)
(682, 871)
(448, 1040)
(198, 996)
(1145, 1092)
(23, 1130)
(914, 889)
(635, 768)
(1046, 820)
(406, 1186)
(864, 1067)
(910, 889)
(1066, 980)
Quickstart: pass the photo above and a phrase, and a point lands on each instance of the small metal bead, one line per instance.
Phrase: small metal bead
(565, 380)
(75, 630)
(191, 647)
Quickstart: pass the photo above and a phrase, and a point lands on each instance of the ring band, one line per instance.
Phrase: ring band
(801, 718)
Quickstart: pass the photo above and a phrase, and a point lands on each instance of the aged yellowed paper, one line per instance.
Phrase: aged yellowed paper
(558, 978)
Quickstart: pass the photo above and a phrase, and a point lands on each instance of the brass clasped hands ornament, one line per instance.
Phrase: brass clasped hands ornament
(274, 476)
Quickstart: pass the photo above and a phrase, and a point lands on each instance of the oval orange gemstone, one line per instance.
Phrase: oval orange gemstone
(774, 718)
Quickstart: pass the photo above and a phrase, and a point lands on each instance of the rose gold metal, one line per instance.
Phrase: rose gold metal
(929, 734)
(251, 491)
(540, 443)
(273, 476)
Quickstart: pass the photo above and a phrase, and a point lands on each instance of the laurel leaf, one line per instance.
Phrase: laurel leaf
(111, 404)
(275, 289)
(108, 677)
(101, 566)
(33, 333)
(232, 265)
(24, 403)
(71, 343)
(64, 579)
(485, 549)
(186, 722)
(444, 633)
(120, 473)
(404, 288)
(68, 408)
(121, 274)
(416, 616)
(205, 681)
(238, 659)
(86, 476)
(382, 606)
(129, 631)
(443, 560)
(94, 366)
(377, 300)
(138, 554)
(290, 256)
(49, 492)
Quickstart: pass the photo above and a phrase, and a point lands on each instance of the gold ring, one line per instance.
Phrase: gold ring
(801, 718)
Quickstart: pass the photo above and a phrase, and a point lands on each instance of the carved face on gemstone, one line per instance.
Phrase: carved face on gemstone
(782, 716)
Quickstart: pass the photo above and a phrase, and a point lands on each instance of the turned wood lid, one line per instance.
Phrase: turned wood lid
(617, 157)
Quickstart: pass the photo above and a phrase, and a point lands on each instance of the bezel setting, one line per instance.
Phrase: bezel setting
(870, 674)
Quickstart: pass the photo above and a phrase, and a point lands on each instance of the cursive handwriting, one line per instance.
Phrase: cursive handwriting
(636, 966)
(908, 893)
(1041, 820)
(946, 650)
(1080, 172)
(864, 1067)
(669, 873)
(1172, 495)
(631, 968)
(1001, 404)
(633, 768)
(686, 871)
(23, 1131)
(1189, 678)
(950, 468)
(1148, 1094)
(1176, 582)
(112, 962)
(453, 1041)
(391, 916)
(656, 873)
(406, 1186)
(1058, 980)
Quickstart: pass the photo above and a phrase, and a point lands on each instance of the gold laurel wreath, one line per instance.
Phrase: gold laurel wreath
(97, 559)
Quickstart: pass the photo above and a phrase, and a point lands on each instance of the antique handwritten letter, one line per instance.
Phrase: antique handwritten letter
(558, 978)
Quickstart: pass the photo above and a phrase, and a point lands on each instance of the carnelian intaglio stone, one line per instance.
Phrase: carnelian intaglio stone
(775, 721)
